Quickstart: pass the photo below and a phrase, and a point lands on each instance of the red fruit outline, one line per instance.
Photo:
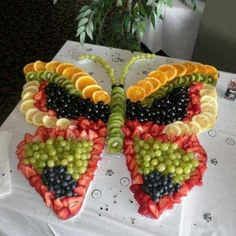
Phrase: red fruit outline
(189, 143)
(65, 207)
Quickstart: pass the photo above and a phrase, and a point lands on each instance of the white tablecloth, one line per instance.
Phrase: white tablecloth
(177, 32)
(209, 210)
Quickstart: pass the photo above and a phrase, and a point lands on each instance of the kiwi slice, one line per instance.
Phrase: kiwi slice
(65, 83)
(31, 76)
(72, 91)
(40, 75)
(115, 144)
(69, 86)
(116, 132)
(113, 125)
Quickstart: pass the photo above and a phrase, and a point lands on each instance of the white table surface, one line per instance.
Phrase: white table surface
(209, 210)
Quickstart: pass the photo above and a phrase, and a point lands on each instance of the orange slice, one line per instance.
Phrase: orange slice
(62, 67)
(39, 66)
(181, 69)
(169, 70)
(147, 86)
(78, 75)
(201, 68)
(52, 65)
(88, 91)
(135, 93)
(191, 68)
(155, 83)
(28, 68)
(84, 81)
(211, 70)
(162, 77)
(101, 96)
(70, 71)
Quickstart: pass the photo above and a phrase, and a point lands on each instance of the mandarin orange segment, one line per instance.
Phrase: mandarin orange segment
(62, 67)
(88, 91)
(201, 68)
(101, 96)
(29, 68)
(211, 70)
(191, 68)
(169, 70)
(39, 66)
(78, 75)
(162, 77)
(155, 83)
(70, 71)
(147, 86)
(181, 69)
(84, 81)
(135, 93)
(52, 65)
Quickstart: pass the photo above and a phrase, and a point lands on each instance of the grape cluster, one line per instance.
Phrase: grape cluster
(166, 158)
(73, 154)
(157, 185)
(72, 106)
(59, 181)
(165, 110)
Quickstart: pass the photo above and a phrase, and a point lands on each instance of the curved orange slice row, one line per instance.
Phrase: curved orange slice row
(181, 69)
(169, 70)
(211, 70)
(62, 67)
(101, 96)
(88, 91)
(69, 72)
(84, 81)
(191, 68)
(201, 68)
(155, 83)
(39, 66)
(135, 93)
(147, 86)
(52, 65)
(78, 75)
(162, 77)
(28, 68)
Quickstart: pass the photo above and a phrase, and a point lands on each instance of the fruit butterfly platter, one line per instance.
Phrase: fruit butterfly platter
(154, 123)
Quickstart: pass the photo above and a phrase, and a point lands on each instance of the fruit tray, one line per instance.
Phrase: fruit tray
(154, 122)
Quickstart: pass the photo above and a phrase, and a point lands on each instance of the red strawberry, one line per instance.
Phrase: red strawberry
(52, 113)
(100, 141)
(57, 205)
(128, 141)
(135, 171)
(143, 210)
(92, 162)
(39, 96)
(147, 126)
(84, 123)
(63, 213)
(126, 131)
(80, 190)
(164, 203)
(155, 130)
(138, 179)
(28, 138)
(34, 179)
(28, 171)
(135, 188)
(21, 144)
(65, 201)
(153, 210)
(83, 135)
(129, 150)
(92, 134)
(70, 134)
(129, 158)
(75, 204)
(83, 181)
(131, 165)
(183, 190)
(48, 197)
(44, 189)
(102, 132)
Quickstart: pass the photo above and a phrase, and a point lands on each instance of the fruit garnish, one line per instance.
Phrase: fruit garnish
(201, 68)
(135, 93)
(202, 120)
(63, 123)
(49, 121)
(30, 89)
(181, 69)
(88, 91)
(69, 72)
(28, 68)
(155, 83)
(190, 67)
(77, 76)
(37, 118)
(147, 86)
(101, 96)
(211, 70)
(26, 105)
(161, 76)
(84, 81)
(33, 83)
(60, 68)
(39, 66)
(169, 70)
(52, 65)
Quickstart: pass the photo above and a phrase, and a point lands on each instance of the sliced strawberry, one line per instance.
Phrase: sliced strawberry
(92, 162)
(80, 190)
(75, 204)
(99, 141)
(65, 201)
(147, 126)
(90, 171)
(21, 144)
(28, 171)
(83, 135)
(138, 179)
(129, 158)
(28, 138)
(102, 132)
(57, 205)
(92, 134)
(131, 165)
(83, 181)
(129, 150)
(34, 179)
(155, 130)
(126, 131)
(143, 210)
(84, 123)
(164, 203)
(63, 213)
(128, 141)
(152, 208)
(48, 197)
(183, 190)
(70, 134)
(135, 188)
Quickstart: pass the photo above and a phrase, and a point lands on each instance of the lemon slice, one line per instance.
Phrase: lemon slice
(26, 105)
(208, 92)
(172, 129)
(37, 118)
(29, 115)
(209, 107)
(63, 123)
(49, 121)
(31, 83)
(31, 89)
(28, 95)
(208, 86)
(202, 120)
(184, 127)
(194, 127)
(208, 99)
(211, 117)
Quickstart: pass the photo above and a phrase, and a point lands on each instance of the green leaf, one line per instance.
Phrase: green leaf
(87, 12)
(82, 37)
(127, 21)
(90, 25)
(153, 20)
(83, 22)
(84, 8)
(80, 30)
(89, 33)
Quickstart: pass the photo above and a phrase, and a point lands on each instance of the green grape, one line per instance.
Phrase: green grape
(158, 153)
(59, 149)
(42, 145)
(178, 155)
(164, 147)
(137, 156)
(64, 162)
(185, 158)
(137, 149)
(44, 156)
(50, 163)
(60, 138)
(42, 164)
(77, 156)
(156, 146)
(29, 153)
(154, 162)
(36, 155)
(146, 164)
(70, 170)
(82, 170)
(151, 141)
(78, 163)
(49, 141)
(75, 176)
(142, 152)
(26, 162)
(161, 159)
(35, 147)
(195, 163)
(168, 162)
(179, 170)
(146, 171)
(140, 143)
(49, 147)
(146, 146)
(52, 152)
(171, 168)
(67, 147)
(146, 158)
(62, 143)
(187, 170)
(176, 162)
(172, 156)
(170, 151)
(161, 167)
(140, 171)
(84, 157)
(70, 158)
